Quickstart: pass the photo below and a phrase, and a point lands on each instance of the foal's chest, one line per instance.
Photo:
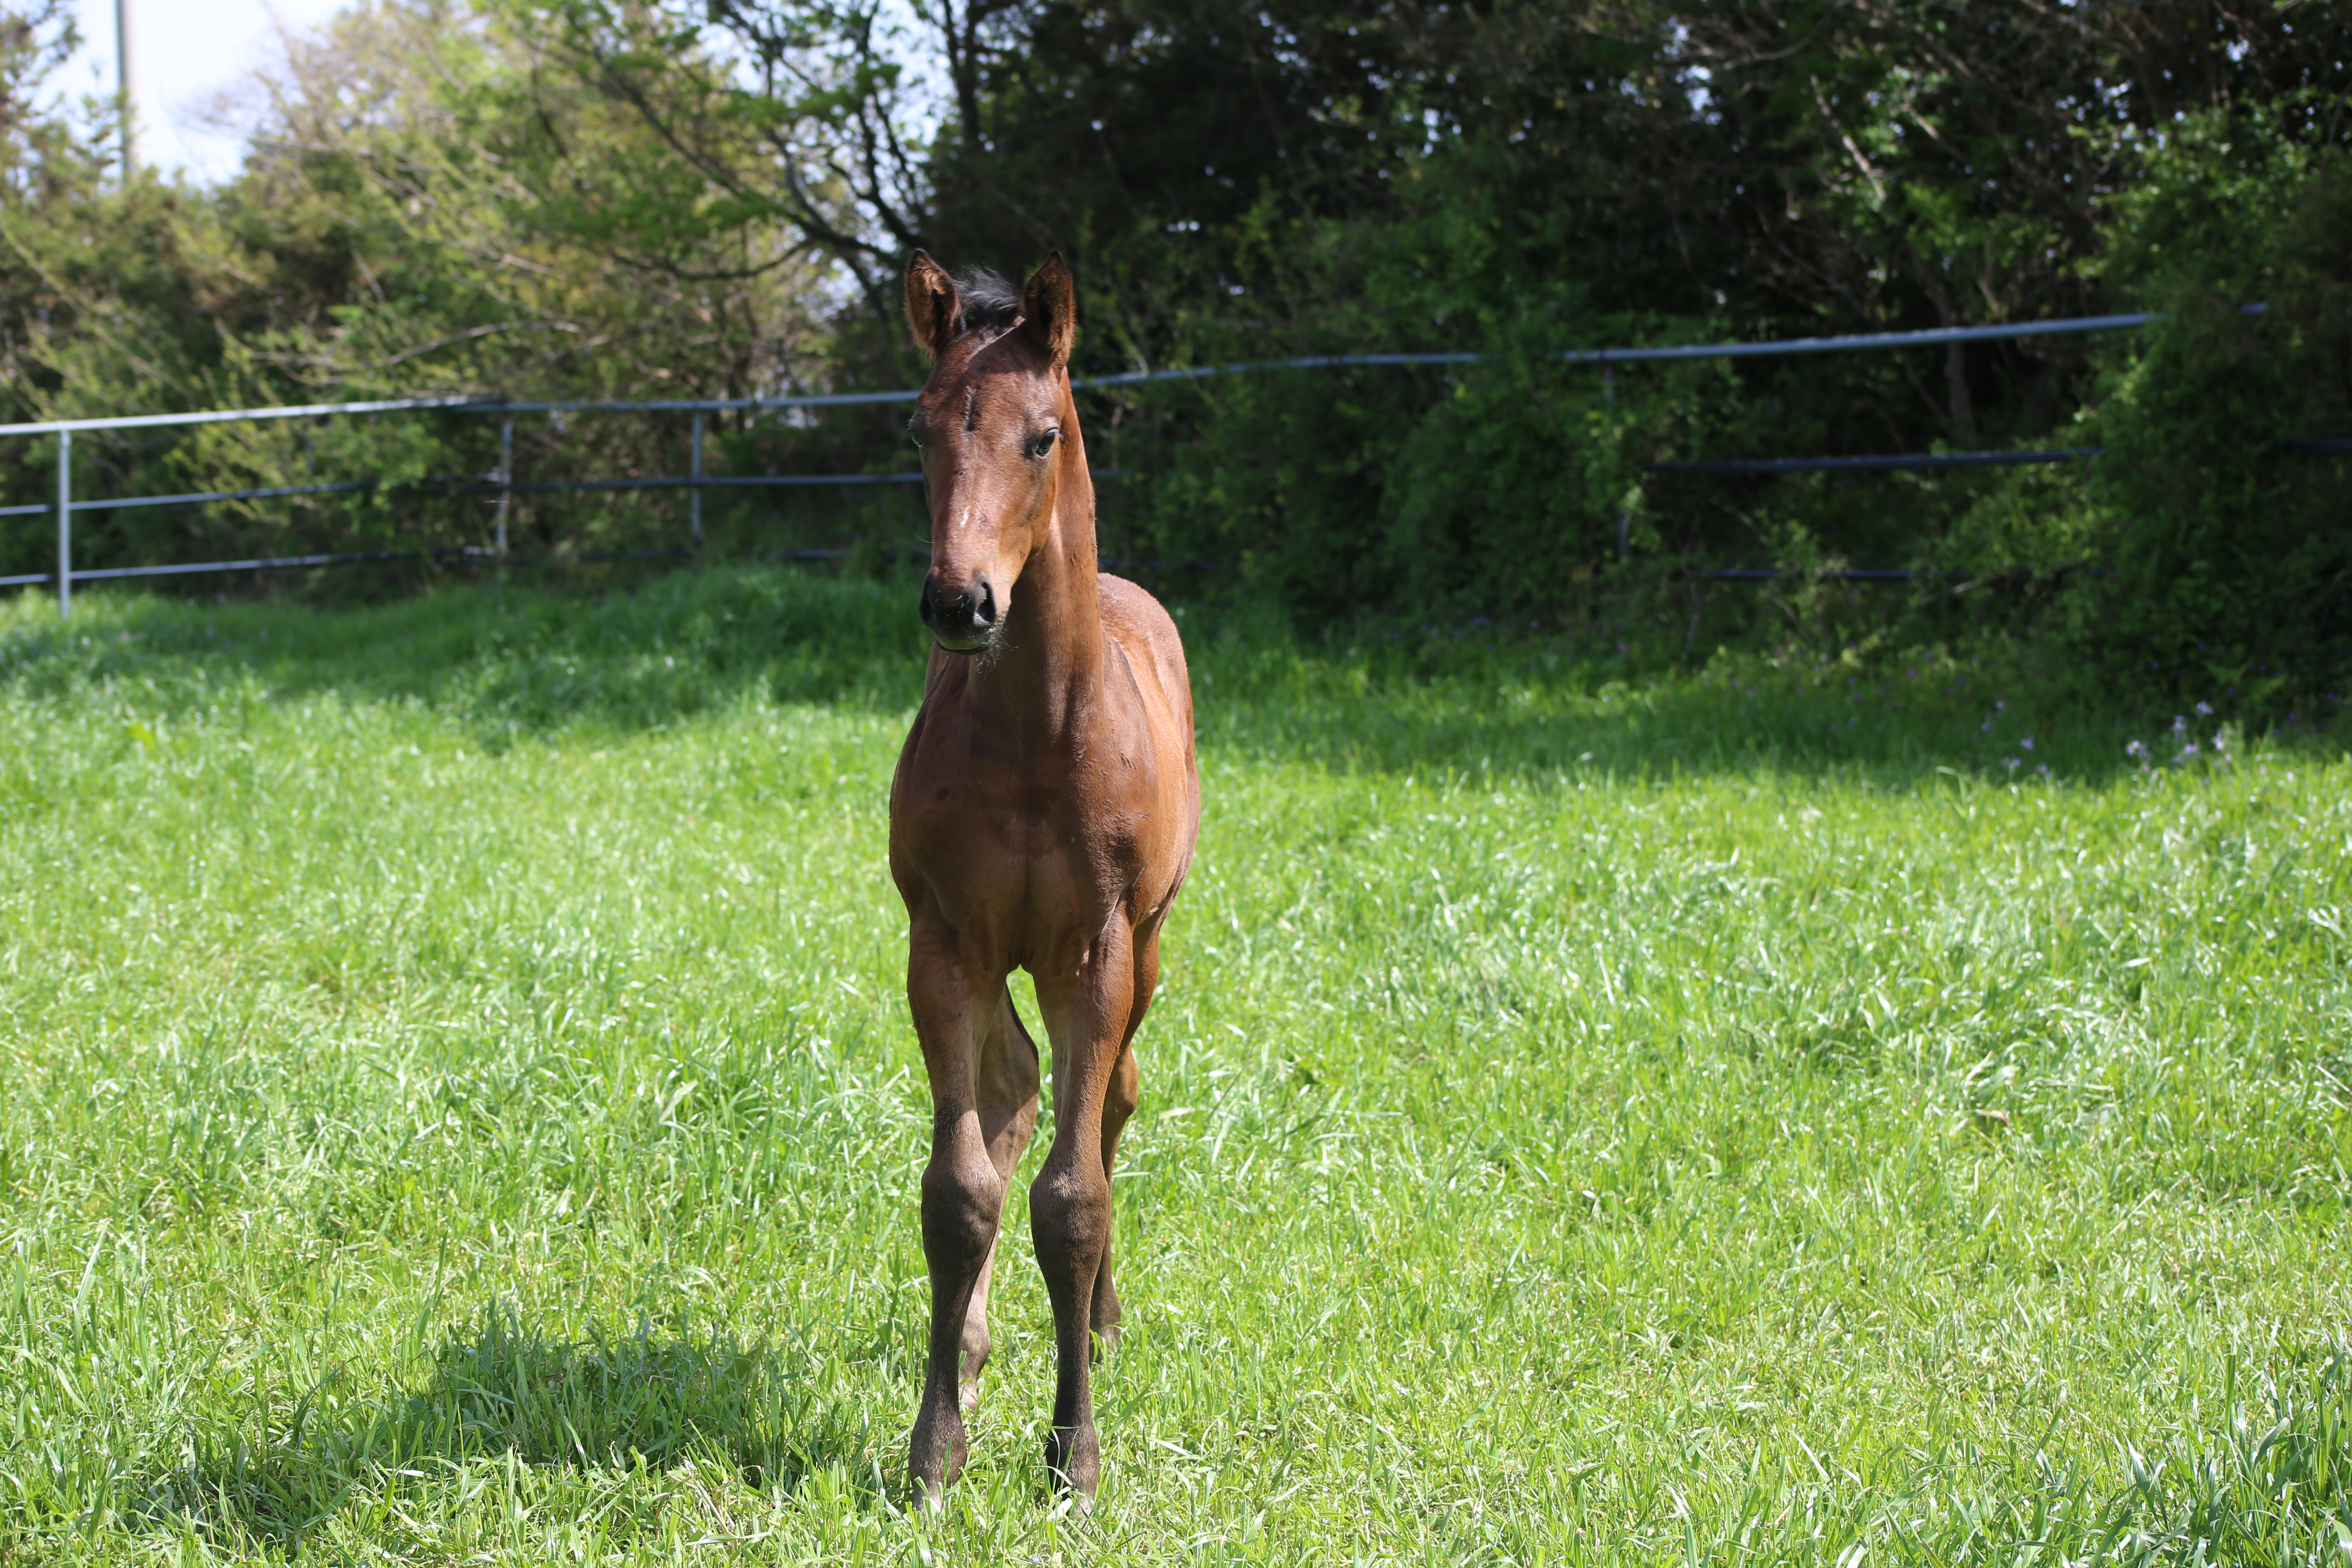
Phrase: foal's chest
(1046, 830)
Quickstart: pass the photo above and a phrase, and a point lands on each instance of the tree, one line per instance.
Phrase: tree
(429, 206)
(799, 115)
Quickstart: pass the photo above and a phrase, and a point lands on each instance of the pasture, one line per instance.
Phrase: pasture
(456, 1104)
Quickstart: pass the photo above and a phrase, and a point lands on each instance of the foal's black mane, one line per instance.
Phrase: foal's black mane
(990, 304)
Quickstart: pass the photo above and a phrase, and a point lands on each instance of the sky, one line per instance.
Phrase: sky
(184, 54)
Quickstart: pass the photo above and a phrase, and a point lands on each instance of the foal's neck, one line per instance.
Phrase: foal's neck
(1052, 656)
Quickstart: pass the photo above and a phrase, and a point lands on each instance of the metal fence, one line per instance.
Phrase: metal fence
(502, 483)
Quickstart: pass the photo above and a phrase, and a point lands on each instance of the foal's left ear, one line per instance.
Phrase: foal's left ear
(1049, 310)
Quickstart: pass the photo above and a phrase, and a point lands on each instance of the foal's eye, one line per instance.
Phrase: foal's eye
(1041, 445)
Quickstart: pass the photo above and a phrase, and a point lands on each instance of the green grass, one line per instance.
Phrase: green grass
(456, 1104)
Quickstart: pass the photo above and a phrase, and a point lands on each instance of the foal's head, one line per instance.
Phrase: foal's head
(991, 423)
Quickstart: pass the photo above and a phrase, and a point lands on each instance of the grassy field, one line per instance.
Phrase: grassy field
(456, 1104)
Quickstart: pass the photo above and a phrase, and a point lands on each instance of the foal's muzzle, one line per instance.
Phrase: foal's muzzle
(962, 621)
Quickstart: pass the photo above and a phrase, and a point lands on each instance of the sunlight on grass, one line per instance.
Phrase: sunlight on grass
(457, 1101)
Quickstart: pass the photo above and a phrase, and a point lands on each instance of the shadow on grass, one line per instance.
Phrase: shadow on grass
(509, 662)
(513, 663)
(585, 1411)
(1535, 709)
(2266, 1477)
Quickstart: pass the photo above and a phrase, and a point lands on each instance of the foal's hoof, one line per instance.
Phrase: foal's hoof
(1073, 1460)
(968, 1395)
(1106, 1336)
(936, 1460)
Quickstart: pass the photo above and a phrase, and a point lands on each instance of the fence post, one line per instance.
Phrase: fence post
(696, 489)
(1608, 396)
(65, 525)
(506, 478)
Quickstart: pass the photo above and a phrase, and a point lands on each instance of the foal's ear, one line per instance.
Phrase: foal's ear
(934, 310)
(1049, 310)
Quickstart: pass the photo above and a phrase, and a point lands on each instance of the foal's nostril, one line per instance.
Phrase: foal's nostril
(955, 617)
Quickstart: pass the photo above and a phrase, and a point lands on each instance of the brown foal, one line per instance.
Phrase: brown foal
(1044, 813)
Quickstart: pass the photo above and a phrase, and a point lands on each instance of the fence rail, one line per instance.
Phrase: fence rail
(480, 552)
(1926, 338)
(1864, 464)
(503, 484)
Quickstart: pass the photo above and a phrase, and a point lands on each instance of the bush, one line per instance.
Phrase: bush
(2229, 560)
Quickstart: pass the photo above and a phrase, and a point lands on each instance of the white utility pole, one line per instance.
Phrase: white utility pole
(122, 84)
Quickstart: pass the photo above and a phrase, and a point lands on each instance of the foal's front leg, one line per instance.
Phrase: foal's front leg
(1086, 1009)
(955, 1008)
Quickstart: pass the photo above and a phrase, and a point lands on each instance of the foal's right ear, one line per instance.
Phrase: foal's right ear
(934, 310)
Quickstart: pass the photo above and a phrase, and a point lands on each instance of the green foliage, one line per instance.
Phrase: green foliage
(457, 1102)
(1254, 182)
(431, 205)
(2221, 568)
(581, 198)
(2232, 567)
(1536, 178)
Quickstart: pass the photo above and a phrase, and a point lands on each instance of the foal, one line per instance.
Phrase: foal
(1044, 813)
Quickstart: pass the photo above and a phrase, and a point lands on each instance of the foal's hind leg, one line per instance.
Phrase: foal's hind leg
(1125, 1093)
(1004, 1079)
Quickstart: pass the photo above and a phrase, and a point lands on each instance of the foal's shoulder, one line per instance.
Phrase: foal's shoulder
(1141, 625)
(1131, 612)
(1137, 622)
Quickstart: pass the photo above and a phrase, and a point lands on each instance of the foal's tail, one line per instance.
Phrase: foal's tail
(1020, 1031)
